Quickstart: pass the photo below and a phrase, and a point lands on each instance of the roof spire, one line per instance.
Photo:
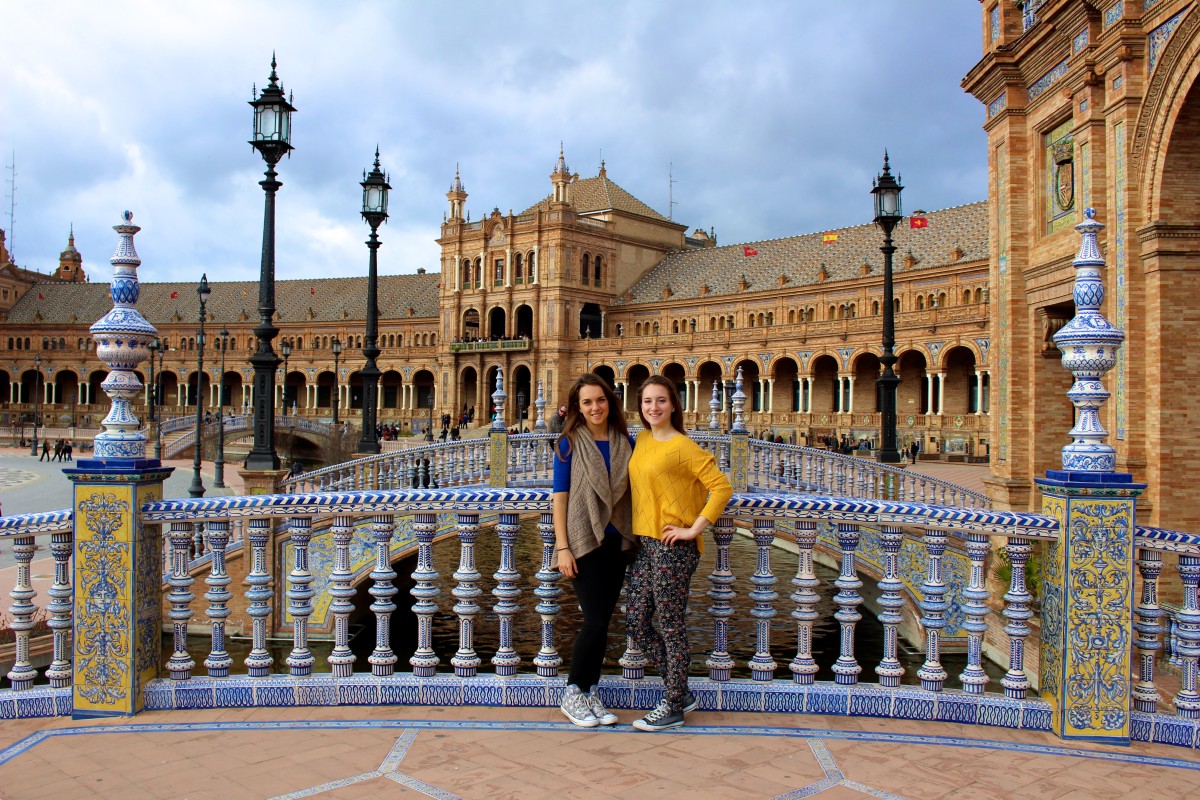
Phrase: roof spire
(561, 167)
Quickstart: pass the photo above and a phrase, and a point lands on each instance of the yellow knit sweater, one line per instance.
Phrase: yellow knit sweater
(672, 483)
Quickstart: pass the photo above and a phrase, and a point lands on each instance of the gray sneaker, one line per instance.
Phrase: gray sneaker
(601, 713)
(577, 708)
(661, 718)
(690, 703)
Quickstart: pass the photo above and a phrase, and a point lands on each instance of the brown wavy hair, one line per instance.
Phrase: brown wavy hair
(574, 419)
(672, 393)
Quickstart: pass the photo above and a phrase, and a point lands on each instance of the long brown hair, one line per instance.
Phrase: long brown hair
(574, 418)
(672, 393)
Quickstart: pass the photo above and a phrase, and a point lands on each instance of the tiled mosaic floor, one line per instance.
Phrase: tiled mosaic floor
(527, 753)
(11, 477)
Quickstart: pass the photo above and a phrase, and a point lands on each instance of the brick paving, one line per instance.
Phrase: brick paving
(520, 753)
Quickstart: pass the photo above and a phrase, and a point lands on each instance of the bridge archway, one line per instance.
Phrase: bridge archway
(866, 371)
(911, 395)
(785, 394)
(825, 384)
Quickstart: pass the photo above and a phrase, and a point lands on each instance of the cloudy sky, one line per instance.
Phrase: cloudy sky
(771, 116)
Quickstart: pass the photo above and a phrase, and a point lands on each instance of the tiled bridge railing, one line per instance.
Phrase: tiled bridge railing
(767, 466)
(359, 535)
(241, 422)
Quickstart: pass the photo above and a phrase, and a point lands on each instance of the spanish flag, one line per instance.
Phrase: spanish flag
(918, 222)
(749, 251)
(829, 237)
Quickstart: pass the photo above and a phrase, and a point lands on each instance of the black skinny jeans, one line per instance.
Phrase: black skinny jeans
(598, 587)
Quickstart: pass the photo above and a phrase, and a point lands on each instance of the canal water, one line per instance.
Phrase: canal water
(742, 631)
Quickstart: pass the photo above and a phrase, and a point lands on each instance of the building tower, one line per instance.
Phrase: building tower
(457, 196)
(70, 262)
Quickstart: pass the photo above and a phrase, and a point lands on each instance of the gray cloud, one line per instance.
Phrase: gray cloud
(774, 116)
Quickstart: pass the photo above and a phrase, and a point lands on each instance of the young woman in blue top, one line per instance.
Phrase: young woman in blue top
(591, 509)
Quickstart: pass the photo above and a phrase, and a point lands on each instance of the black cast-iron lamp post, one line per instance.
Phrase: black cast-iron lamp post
(374, 211)
(37, 401)
(285, 350)
(272, 131)
(219, 480)
(158, 352)
(197, 487)
(337, 352)
(887, 215)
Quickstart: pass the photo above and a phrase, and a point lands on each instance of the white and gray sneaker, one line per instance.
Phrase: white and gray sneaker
(601, 713)
(577, 707)
(660, 718)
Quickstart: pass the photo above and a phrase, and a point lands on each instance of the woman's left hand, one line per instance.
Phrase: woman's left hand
(674, 533)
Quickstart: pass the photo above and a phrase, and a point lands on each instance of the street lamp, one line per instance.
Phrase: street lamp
(37, 401)
(887, 215)
(197, 487)
(374, 211)
(285, 349)
(337, 352)
(272, 130)
(219, 481)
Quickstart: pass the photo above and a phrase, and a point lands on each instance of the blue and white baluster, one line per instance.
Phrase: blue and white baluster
(258, 598)
(218, 595)
(539, 425)
(60, 608)
(803, 666)
(1187, 628)
(22, 611)
(934, 608)
(548, 660)
(1018, 614)
(341, 660)
(300, 594)
(180, 663)
(846, 668)
(506, 593)
(762, 666)
(890, 670)
(720, 663)
(975, 609)
(383, 659)
(1148, 627)
(714, 408)
(466, 660)
(424, 660)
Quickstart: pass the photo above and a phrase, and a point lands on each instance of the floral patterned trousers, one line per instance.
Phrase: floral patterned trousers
(657, 610)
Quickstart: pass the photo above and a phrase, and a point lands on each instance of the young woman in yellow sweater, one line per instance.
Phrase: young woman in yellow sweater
(677, 493)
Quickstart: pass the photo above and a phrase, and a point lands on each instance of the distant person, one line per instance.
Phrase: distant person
(45, 451)
(557, 419)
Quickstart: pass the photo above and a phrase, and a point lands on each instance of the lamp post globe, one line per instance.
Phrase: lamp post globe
(37, 402)
(219, 464)
(271, 137)
(374, 211)
(285, 350)
(337, 352)
(197, 487)
(886, 190)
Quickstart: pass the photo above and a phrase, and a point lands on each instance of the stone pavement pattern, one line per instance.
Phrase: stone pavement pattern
(526, 753)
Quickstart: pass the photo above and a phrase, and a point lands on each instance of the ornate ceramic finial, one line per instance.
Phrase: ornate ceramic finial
(1089, 345)
(457, 186)
(122, 338)
(714, 407)
(561, 167)
(739, 404)
(498, 398)
(540, 423)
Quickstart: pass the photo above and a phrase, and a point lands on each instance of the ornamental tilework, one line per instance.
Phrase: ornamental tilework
(998, 105)
(1080, 41)
(1049, 79)
(1120, 287)
(1002, 299)
(1059, 191)
(1053, 619)
(104, 652)
(1158, 38)
(1113, 13)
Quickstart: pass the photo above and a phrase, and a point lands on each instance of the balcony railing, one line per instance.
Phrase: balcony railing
(485, 345)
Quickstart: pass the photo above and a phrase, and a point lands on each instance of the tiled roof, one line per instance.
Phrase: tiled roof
(589, 195)
(801, 258)
(318, 300)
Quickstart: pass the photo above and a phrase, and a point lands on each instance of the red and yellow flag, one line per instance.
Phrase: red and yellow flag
(749, 251)
(918, 222)
(828, 237)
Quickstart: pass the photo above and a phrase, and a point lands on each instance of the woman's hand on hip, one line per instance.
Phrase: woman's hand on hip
(674, 533)
(566, 564)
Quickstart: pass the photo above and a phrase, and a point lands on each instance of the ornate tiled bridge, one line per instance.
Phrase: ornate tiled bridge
(926, 545)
